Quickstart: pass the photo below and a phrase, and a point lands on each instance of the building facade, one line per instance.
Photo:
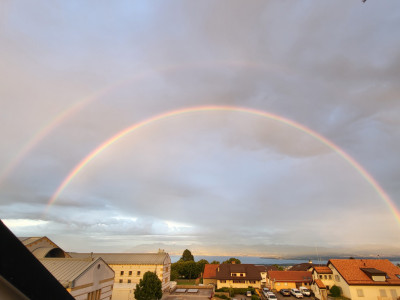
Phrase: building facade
(238, 276)
(279, 280)
(84, 279)
(366, 278)
(129, 268)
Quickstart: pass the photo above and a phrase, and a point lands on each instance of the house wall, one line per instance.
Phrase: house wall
(123, 290)
(99, 278)
(374, 292)
(263, 278)
(339, 281)
(230, 283)
(209, 281)
(283, 285)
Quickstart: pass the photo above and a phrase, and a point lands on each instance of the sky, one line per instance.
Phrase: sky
(287, 139)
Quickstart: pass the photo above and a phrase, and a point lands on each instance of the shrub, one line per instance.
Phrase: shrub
(335, 291)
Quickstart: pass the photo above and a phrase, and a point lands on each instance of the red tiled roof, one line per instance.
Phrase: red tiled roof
(351, 271)
(294, 276)
(323, 270)
(210, 270)
(320, 284)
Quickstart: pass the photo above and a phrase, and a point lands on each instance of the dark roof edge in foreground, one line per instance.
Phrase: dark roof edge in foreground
(22, 270)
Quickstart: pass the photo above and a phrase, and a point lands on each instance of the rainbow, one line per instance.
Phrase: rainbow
(67, 113)
(84, 162)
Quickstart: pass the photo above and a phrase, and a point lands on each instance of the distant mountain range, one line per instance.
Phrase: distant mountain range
(300, 252)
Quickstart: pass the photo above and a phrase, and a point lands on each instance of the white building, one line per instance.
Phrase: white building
(129, 268)
(84, 279)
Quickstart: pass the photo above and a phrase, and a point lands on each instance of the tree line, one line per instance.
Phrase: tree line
(187, 268)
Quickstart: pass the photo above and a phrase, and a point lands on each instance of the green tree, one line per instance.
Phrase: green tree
(335, 291)
(149, 288)
(215, 262)
(231, 260)
(280, 268)
(187, 256)
(200, 265)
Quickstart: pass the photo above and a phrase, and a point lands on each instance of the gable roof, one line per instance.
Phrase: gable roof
(210, 271)
(320, 284)
(66, 270)
(251, 272)
(290, 276)
(352, 271)
(323, 270)
(127, 258)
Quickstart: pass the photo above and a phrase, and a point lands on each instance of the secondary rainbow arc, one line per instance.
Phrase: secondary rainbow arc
(383, 195)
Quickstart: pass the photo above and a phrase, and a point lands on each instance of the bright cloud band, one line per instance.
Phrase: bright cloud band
(268, 115)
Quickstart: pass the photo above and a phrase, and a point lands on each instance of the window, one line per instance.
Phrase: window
(325, 277)
(122, 273)
(129, 281)
(360, 292)
(130, 273)
(393, 293)
(95, 295)
(121, 281)
(241, 274)
(138, 273)
(278, 283)
(320, 276)
(285, 283)
(239, 281)
(337, 278)
(223, 281)
(233, 274)
(382, 293)
(330, 277)
(252, 281)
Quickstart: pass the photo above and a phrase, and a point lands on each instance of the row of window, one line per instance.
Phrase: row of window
(130, 281)
(137, 273)
(325, 276)
(129, 273)
(122, 281)
(382, 293)
(240, 281)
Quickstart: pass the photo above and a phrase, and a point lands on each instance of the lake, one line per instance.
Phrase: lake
(261, 261)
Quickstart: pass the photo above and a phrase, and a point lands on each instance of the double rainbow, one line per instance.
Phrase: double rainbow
(84, 162)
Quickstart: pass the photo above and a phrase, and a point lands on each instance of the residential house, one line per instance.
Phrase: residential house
(289, 279)
(238, 276)
(210, 274)
(89, 278)
(322, 281)
(129, 268)
(366, 278)
(263, 272)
